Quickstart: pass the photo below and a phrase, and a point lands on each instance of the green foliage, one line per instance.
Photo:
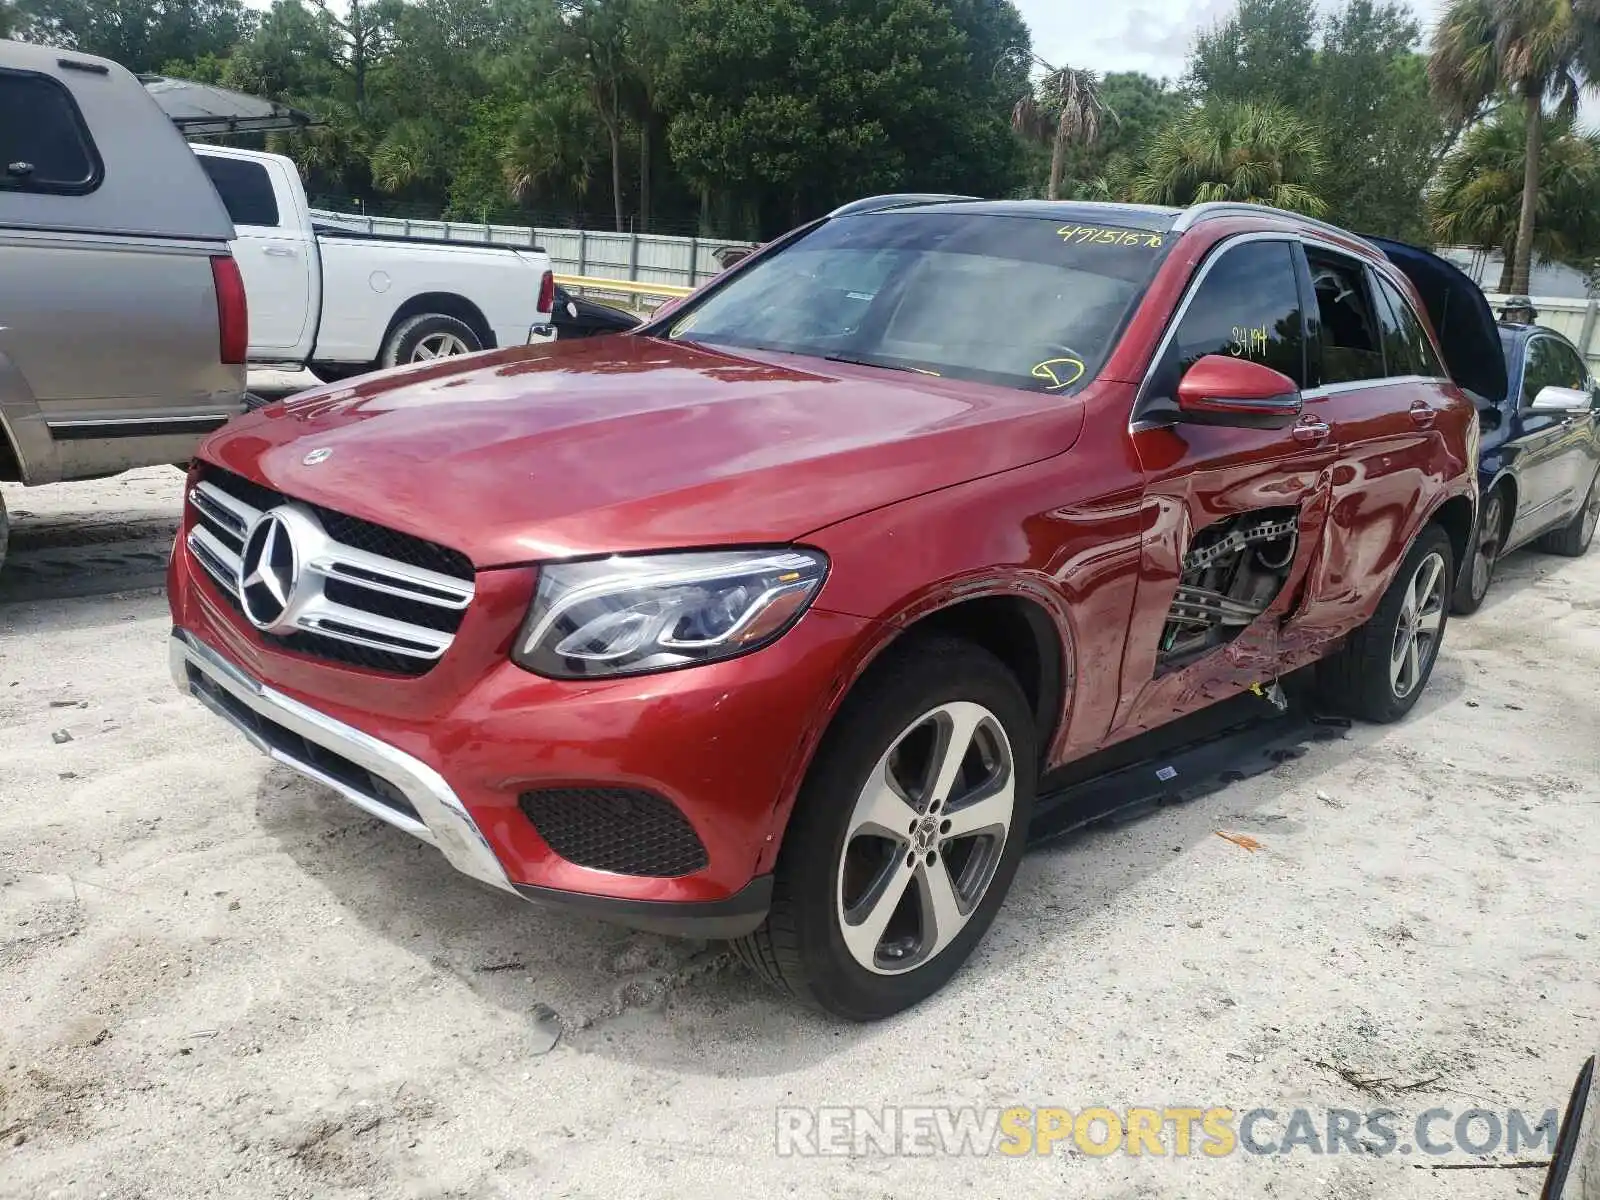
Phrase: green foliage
(1355, 75)
(1234, 151)
(1263, 53)
(139, 34)
(1477, 197)
(1534, 51)
(785, 108)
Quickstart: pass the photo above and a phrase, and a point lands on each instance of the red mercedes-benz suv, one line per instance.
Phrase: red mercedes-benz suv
(767, 620)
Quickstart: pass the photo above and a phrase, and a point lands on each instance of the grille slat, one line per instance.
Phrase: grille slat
(379, 599)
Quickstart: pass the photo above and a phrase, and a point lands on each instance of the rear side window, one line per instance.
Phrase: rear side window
(1351, 346)
(1247, 306)
(245, 188)
(44, 146)
(1406, 347)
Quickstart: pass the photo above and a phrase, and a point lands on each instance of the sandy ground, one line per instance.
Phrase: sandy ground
(218, 980)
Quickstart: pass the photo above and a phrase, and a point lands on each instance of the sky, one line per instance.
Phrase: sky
(1153, 36)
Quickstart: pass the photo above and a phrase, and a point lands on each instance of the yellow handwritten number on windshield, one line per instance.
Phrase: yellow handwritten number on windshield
(1058, 372)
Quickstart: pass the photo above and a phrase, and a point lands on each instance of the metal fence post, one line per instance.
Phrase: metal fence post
(694, 261)
(1584, 341)
(583, 251)
(633, 257)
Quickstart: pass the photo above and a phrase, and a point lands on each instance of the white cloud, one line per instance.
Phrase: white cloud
(1153, 36)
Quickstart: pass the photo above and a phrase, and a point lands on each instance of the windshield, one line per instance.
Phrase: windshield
(1018, 301)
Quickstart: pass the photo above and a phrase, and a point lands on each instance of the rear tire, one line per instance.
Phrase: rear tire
(426, 337)
(879, 896)
(5, 532)
(1477, 573)
(1384, 666)
(1573, 538)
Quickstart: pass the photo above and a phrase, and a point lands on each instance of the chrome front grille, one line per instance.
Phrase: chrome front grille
(391, 603)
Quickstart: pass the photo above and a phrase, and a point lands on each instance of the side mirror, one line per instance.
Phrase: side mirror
(1560, 399)
(1221, 390)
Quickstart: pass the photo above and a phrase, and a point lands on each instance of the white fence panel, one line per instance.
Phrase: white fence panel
(639, 257)
(1574, 318)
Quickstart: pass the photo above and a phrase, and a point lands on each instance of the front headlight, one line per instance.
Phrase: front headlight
(652, 612)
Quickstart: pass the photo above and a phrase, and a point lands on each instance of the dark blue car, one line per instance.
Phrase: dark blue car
(1540, 455)
(1538, 417)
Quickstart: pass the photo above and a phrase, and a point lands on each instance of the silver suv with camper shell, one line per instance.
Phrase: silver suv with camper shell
(123, 325)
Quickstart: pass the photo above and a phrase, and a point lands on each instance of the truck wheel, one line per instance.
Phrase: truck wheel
(1482, 555)
(906, 834)
(431, 335)
(5, 532)
(1573, 538)
(1385, 664)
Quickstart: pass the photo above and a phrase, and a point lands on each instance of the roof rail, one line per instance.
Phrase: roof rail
(1196, 213)
(896, 200)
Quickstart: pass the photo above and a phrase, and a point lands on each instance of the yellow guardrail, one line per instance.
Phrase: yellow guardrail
(627, 287)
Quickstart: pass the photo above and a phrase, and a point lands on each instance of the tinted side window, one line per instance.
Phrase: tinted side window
(1420, 358)
(245, 188)
(1573, 371)
(1549, 365)
(1351, 349)
(44, 146)
(1247, 306)
(1399, 354)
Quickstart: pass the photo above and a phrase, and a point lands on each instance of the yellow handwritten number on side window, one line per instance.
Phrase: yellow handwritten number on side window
(1058, 373)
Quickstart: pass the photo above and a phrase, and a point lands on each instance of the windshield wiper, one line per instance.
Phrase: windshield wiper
(867, 362)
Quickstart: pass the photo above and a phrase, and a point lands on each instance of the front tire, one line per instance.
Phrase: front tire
(1383, 667)
(906, 834)
(426, 337)
(5, 532)
(1572, 539)
(1482, 556)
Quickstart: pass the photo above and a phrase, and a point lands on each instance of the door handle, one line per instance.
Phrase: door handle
(280, 251)
(1312, 429)
(1422, 413)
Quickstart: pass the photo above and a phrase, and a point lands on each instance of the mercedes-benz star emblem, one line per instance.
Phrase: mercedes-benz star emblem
(320, 455)
(269, 569)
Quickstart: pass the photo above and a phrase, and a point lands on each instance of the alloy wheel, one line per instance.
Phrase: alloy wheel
(925, 837)
(1416, 635)
(1487, 549)
(438, 345)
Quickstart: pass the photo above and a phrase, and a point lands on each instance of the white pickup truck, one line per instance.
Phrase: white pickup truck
(342, 302)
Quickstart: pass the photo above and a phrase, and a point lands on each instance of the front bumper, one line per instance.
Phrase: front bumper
(407, 793)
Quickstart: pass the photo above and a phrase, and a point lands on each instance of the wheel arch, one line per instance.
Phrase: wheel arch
(1508, 480)
(446, 304)
(1456, 515)
(10, 460)
(1011, 619)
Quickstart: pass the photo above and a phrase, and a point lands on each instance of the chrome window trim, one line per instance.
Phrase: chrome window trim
(1217, 251)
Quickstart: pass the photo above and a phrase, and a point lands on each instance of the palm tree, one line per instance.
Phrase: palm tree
(1476, 198)
(1258, 153)
(1062, 106)
(1533, 50)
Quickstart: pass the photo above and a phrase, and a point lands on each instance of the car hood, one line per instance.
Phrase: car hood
(632, 443)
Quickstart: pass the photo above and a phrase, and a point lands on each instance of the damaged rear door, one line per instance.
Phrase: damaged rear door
(1235, 517)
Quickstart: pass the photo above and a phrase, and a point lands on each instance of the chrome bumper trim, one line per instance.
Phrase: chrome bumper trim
(445, 821)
